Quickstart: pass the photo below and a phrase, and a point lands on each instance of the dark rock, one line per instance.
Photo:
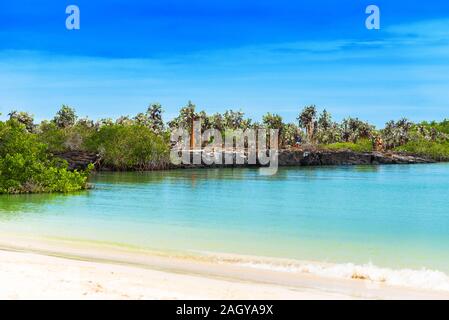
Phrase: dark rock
(325, 158)
(78, 160)
(343, 157)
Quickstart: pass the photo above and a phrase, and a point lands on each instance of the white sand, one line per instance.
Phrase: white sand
(57, 269)
(33, 276)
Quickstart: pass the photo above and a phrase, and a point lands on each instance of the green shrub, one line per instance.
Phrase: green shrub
(438, 150)
(363, 145)
(27, 167)
(52, 136)
(60, 140)
(130, 147)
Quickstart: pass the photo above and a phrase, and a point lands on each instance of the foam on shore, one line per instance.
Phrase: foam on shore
(409, 278)
(417, 279)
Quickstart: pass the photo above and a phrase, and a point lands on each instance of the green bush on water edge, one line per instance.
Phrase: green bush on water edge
(26, 166)
(132, 147)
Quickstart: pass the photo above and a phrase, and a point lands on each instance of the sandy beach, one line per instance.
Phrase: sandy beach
(34, 276)
(62, 269)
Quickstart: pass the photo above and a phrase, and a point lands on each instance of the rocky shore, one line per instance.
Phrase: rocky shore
(345, 157)
(287, 158)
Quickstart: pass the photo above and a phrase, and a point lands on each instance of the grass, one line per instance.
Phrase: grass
(363, 145)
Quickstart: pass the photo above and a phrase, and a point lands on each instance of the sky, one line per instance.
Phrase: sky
(255, 56)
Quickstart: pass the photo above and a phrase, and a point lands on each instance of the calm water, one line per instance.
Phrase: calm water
(393, 216)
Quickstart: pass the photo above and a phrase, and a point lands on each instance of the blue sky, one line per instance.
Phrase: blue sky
(258, 56)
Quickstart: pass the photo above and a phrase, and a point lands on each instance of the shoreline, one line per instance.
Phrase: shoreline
(286, 158)
(63, 269)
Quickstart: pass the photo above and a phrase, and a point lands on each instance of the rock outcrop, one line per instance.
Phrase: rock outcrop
(79, 160)
(344, 157)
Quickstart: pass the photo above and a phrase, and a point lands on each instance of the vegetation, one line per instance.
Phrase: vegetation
(442, 126)
(428, 139)
(397, 133)
(436, 150)
(27, 167)
(65, 117)
(307, 121)
(24, 118)
(29, 152)
(129, 147)
(138, 143)
(363, 145)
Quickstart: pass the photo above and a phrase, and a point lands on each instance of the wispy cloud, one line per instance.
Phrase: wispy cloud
(402, 72)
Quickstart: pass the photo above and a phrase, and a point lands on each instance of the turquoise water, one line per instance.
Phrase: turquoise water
(392, 216)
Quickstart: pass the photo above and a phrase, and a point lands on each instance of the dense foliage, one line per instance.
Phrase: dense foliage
(134, 147)
(436, 150)
(138, 143)
(425, 139)
(142, 142)
(26, 166)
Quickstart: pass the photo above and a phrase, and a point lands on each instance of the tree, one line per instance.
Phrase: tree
(205, 121)
(327, 130)
(290, 134)
(124, 121)
(141, 119)
(233, 119)
(24, 118)
(353, 129)
(306, 120)
(246, 124)
(65, 117)
(185, 118)
(154, 114)
(274, 121)
(325, 120)
(86, 123)
(152, 118)
(216, 122)
(396, 134)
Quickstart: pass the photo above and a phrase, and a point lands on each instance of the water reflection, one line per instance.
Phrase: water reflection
(129, 177)
(13, 206)
(366, 168)
(181, 175)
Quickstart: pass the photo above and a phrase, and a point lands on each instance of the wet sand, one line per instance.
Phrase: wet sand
(33, 268)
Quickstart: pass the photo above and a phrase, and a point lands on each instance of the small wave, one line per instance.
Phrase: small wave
(411, 278)
(419, 279)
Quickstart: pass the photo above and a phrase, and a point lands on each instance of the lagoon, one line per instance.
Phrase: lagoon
(394, 216)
